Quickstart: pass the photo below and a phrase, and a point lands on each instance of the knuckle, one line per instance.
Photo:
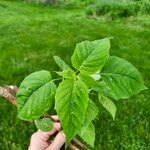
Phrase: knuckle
(63, 135)
(34, 135)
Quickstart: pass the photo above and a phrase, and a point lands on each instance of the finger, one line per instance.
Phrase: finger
(37, 142)
(58, 142)
(45, 135)
(55, 117)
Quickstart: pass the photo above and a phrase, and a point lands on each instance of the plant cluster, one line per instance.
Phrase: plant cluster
(63, 3)
(94, 70)
(115, 8)
(145, 6)
(73, 3)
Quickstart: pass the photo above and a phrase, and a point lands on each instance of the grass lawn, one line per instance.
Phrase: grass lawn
(29, 37)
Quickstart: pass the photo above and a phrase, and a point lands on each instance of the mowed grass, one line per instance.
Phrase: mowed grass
(31, 35)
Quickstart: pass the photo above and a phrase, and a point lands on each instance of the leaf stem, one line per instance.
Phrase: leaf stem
(79, 144)
(77, 71)
(57, 79)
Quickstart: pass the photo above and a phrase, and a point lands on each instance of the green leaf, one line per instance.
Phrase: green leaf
(71, 102)
(122, 78)
(90, 115)
(68, 74)
(108, 104)
(90, 57)
(99, 86)
(88, 80)
(35, 95)
(89, 135)
(96, 76)
(103, 88)
(44, 124)
(61, 63)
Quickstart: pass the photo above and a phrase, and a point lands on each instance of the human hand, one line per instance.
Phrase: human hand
(39, 140)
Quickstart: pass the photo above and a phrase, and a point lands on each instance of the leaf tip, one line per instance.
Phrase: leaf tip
(55, 57)
(145, 88)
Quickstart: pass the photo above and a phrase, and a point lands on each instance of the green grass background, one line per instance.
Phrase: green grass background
(30, 35)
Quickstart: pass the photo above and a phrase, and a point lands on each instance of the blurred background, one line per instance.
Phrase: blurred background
(33, 31)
